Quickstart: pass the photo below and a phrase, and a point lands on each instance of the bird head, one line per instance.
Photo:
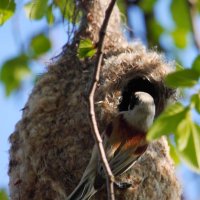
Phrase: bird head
(141, 110)
(141, 99)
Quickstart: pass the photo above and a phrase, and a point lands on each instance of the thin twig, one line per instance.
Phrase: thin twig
(95, 130)
(193, 13)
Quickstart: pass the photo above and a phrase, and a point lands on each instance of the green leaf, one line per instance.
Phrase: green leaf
(168, 121)
(122, 7)
(86, 49)
(155, 30)
(180, 14)
(173, 153)
(179, 67)
(13, 72)
(3, 194)
(182, 133)
(182, 78)
(198, 5)
(195, 100)
(191, 154)
(7, 9)
(180, 37)
(196, 136)
(50, 16)
(196, 64)
(147, 5)
(39, 45)
(67, 9)
(36, 9)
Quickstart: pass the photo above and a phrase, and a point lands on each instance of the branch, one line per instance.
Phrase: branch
(192, 4)
(95, 130)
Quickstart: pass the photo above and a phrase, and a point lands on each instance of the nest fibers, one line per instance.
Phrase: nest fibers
(52, 143)
(134, 69)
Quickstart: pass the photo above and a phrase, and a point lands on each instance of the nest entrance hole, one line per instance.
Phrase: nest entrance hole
(137, 84)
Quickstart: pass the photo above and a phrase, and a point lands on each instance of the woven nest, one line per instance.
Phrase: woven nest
(136, 69)
(52, 143)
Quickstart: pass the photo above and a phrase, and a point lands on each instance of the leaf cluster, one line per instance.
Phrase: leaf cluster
(15, 69)
(177, 119)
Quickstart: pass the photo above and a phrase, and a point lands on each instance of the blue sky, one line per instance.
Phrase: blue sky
(15, 32)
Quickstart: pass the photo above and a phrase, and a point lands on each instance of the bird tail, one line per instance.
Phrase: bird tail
(84, 191)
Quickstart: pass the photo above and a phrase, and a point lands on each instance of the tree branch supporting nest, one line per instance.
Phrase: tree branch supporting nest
(95, 130)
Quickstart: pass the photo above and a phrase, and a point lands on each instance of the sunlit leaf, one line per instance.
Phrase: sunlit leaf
(196, 136)
(13, 72)
(86, 49)
(122, 7)
(198, 5)
(183, 132)
(50, 16)
(173, 153)
(40, 44)
(180, 38)
(182, 78)
(7, 9)
(168, 121)
(191, 154)
(196, 64)
(147, 5)
(179, 67)
(67, 8)
(36, 9)
(3, 194)
(195, 99)
(179, 10)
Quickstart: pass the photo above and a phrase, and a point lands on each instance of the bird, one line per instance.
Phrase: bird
(124, 141)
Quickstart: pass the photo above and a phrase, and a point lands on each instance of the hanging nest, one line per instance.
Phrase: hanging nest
(52, 143)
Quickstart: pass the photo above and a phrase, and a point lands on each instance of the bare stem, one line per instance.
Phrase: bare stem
(95, 130)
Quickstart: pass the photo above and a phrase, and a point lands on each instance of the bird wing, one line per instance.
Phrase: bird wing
(123, 160)
(123, 145)
(85, 189)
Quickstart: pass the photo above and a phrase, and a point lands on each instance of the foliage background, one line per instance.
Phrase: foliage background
(34, 32)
